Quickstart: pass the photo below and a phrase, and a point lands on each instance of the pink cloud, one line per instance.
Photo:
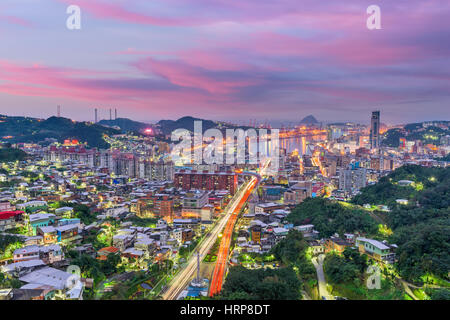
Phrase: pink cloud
(189, 76)
(360, 49)
(17, 21)
(104, 10)
(78, 84)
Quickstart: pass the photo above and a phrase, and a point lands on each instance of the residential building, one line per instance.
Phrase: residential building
(380, 251)
(204, 180)
(337, 245)
(10, 219)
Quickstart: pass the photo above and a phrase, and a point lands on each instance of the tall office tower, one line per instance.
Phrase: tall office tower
(375, 130)
(96, 115)
(110, 114)
(115, 114)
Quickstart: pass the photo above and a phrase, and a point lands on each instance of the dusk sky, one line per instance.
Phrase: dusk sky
(279, 60)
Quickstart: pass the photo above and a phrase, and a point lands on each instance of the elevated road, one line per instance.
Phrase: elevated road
(222, 257)
(182, 279)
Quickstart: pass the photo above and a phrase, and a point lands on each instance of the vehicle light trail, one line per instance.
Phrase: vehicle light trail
(222, 256)
(182, 279)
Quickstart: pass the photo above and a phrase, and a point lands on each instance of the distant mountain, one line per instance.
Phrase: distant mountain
(125, 124)
(309, 120)
(22, 129)
(168, 126)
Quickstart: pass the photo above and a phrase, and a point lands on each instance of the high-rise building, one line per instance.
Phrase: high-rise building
(189, 180)
(352, 178)
(375, 130)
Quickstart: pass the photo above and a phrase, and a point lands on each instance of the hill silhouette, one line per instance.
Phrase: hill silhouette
(309, 120)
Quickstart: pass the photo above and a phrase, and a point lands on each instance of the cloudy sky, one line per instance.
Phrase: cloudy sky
(226, 59)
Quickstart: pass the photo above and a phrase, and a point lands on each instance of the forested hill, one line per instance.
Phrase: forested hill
(125, 124)
(417, 131)
(24, 129)
(421, 229)
(9, 154)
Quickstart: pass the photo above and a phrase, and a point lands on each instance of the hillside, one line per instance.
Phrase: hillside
(168, 126)
(417, 131)
(125, 124)
(421, 229)
(329, 217)
(10, 154)
(22, 129)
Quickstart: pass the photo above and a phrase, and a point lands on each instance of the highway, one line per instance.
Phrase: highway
(222, 256)
(182, 279)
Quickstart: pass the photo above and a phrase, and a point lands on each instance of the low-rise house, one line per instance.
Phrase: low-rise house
(380, 251)
(64, 222)
(307, 231)
(316, 247)
(34, 240)
(27, 294)
(32, 289)
(123, 241)
(66, 232)
(5, 205)
(187, 235)
(268, 207)
(65, 288)
(49, 234)
(103, 253)
(86, 249)
(280, 233)
(336, 244)
(135, 254)
(31, 206)
(247, 218)
(64, 211)
(10, 219)
(193, 224)
(177, 234)
(48, 254)
(145, 244)
(256, 233)
(40, 220)
(21, 268)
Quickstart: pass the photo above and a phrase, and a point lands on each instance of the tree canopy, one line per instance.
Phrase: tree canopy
(261, 284)
(329, 217)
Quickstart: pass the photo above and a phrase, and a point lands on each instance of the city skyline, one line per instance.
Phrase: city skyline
(231, 153)
(225, 61)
